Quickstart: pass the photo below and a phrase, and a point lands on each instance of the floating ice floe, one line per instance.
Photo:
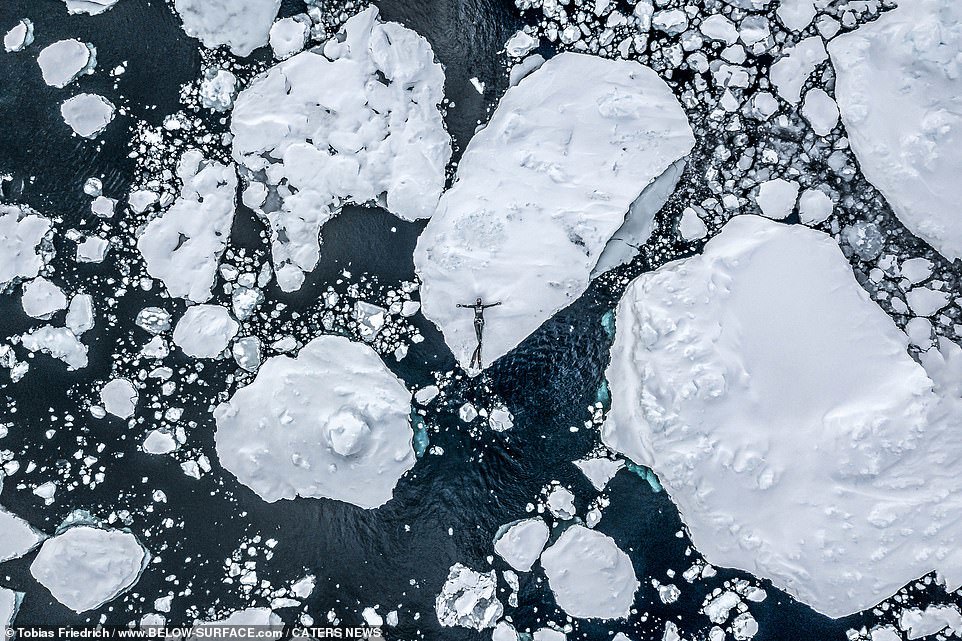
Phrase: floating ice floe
(469, 599)
(356, 121)
(17, 537)
(821, 111)
(259, 617)
(289, 36)
(218, 90)
(22, 231)
(541, 191)
(89, 7)
(790, 72)
(599, 470)
(776, 198)
(85, 567)
(63, 61)
(183, 246)
(520, 543)
(899, 89)
(9, 604)
(204, 331)
(241, 25)
(333, 422)
(732, 375)
(19, 37)
(119, 397)
(87, 114)
(58, 342)
(42, 299)
(589, 575)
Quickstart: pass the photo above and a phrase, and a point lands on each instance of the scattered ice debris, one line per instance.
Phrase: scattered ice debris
(357, 123)
(553, 174)
(589, 575)
(119, 397)
(19, 37)
(289, 36)
(776, 198)
(204, 331)
(63, 61)
(561, 503)
(469, 599)
(520, 543)
(333, 422)
(702, 395)
(218, 90)
(241, 25)
(22, 232)
(790, 72)
(89, 7)
(87, 114)
(599, 470)
(58, 342)
(86, 566)
(821, 111)
(42, 299)
(183, 246)
(898, 89)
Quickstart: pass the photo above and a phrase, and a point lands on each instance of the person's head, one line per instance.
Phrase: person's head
(479, 301)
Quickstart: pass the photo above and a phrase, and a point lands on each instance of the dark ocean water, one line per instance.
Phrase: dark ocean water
(361, 558)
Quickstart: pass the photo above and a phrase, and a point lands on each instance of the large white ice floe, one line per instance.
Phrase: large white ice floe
(183, 246)
(22, 231)
(89, 7)
(899, 90)
(520, 543)
(87, 114)
(17, 537)
(85, 567)
(541, 191)
(356, 121)
(469, 599)
(241, 25)
(590, 576)
(333, 422)
(63, 61)
(782, 412)
(204, 331)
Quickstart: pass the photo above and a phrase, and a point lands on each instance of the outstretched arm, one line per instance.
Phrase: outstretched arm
(460, 305)
(491, 305)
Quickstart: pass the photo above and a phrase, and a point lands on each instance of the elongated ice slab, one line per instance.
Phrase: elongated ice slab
(541, 191)
(333, 422)
(89, 7)
(765, 388)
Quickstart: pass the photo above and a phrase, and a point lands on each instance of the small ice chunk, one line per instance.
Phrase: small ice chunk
(9, 604)
(303, 588)
(92, 249)
(500, 419)
(87, 114)
(159, 442)
(469, 599)
(599, 470)
(140, 199)
(103, 207)
(520, 44)
(520, 543)
(467, 413)
(719, 27)
(916, 269)
(19, 37)
(90, 7)
(204, 331)
(776, 198)
(153, 320)
(17, 538)
(589, 575)
(691, 227)
(119, 397)
(85, 567)
(426, 394)
(821, 111)
(80, 314)
(289, 36)
(247, 353)
(561, 503)
(242, 25)
(42, 299)
(93, 187)
(796, 15)
(814, 207)
(63, 61)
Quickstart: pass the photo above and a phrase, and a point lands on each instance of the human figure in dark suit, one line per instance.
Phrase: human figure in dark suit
(478, 308)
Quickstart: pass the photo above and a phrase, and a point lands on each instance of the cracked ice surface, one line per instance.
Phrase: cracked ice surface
(333, 422)
(85, 566)
(356, 121)
(804, 408)
(899, 90)
(541, 190)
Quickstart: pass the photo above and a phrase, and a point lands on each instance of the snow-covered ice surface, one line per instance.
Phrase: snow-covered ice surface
(765, 388)
(332, 422)
(204, 331)
(241, 25)
(86, 566)
(900, 94)
(22, 232)
(63, 61)
(540, 192)
(87, 114)
(469, 599)
(89, 7)
(520, 543)
(356, 120)
(589, 575)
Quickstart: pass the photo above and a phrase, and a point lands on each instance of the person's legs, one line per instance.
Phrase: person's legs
(479, 328)
(476, 357)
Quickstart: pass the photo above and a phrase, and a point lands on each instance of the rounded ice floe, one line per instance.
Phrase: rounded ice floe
(289, 35)
(119, 397)
(591, 578)
(241, 25)
(821, 111)
(520, 543)
(776, 198)
(333, 422)
(89, 7)
(87, 114)
(356, 121)
(22, 231)
(61, 62)
(19, 37)
(815, 207)
(41, 298)
(732, 375)
(469, 599)
(85, 567)
(541, 191)
(204, 331)
(899, 89)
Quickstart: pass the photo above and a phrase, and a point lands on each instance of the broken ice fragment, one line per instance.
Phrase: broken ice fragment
(242, 25)
(289, 35)
(21, 233)
(90, 7)
(87, 114)
(218, 90)
(59, 342)
(520, 543)
(776, 198)
(41, 298)
(469, 599)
